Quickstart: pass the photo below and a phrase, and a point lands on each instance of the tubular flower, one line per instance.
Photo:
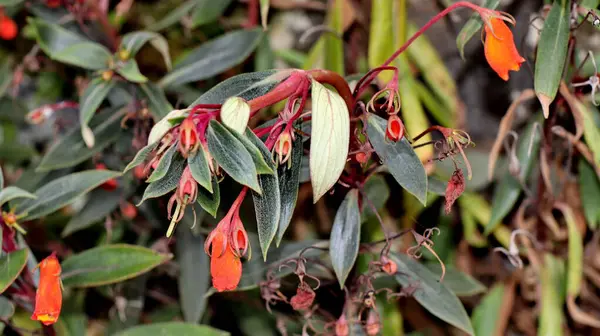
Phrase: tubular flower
(48, 299)
(186, 193)
(227, 243)
(395, 128)
(500, 50)
(188, 137)
(283, 147)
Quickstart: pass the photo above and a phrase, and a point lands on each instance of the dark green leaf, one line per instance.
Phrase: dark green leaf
(247, 86)
(400, 159)
(472, 26)
(163, 165)
(194, 279)
(289, 181)
(141, 156)
(431, 294)
(345, 237)
(377, 192)
(64, 46)
(590, 193)
(130, 71)
(7, 309)
(458, 282)
(267, 207)
(172, 329)
(213, 57)
(507, 193)
(10, 3)
(256, 148)
(167, 183)
(157, 101)
(63, 191)
(93, 96)
(210, 201)
(200, 169)
(11, 265)
(552, 53)
(231, 155)
(109, 264)
(10, 193)
(133, 42)
(208, 11)
(174, 16)
(71, 150)
(101, 203)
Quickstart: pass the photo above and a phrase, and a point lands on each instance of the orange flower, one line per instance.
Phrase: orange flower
(48, 299)
(500, 50)
(8, 28)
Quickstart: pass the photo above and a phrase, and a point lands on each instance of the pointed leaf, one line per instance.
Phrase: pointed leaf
(210, 201)
(133, 42)
(163, 165)
(289, 181)
(552, 53)
(213, 57)
(200, 169)
(330, 136)
(101, 203)
(93, 96)
(486, 314)
(109, 264)
(231, 155)
(172, 329)
(157, 101)
(12, 265)
(141, 156)
(167, 183)
(63, 191)
(458, 282)
(434, 296)
(345, 237)
(131, 72)
(10, 193)
(174, 16)
(472, 26)
(208, 11)
(400, 159)
(247, 86)
(589, 187)
(163, 126)
(261, 156)
(194, 279)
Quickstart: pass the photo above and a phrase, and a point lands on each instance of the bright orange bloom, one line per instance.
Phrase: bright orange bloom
(48, 299)
(8, 28)
(500, 50)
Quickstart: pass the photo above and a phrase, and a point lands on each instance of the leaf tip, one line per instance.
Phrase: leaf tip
(545, 101)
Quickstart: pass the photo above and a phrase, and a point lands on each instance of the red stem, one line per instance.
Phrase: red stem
(279, 93)
(337, 81)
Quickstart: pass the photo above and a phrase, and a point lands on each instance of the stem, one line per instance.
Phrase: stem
(337, 81)
(282, 91)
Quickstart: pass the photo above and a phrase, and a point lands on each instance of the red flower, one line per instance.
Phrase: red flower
(304, 297)
(188, 137)
(8, 28)
(388, 266)
(500, 50)
(48, 298)
(186, 193)
(128, 210)
(456, 186)
(109, 185)
(227, 243)
(395, 128)
(53, 3)
(283, 146)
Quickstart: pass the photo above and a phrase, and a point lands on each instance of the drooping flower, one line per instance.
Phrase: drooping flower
(186, 193)
(188, 137)
(304, 297)
(341, 326)
(499, 46)
(395, 128)
(283, 147)
(48, 298)
(8, 28)
(225, 245)
(373, 325)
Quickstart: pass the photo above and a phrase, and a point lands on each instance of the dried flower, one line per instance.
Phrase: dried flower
(395, 128)
(304, 297)
(499, 46)
(48, 298)
(455, 188)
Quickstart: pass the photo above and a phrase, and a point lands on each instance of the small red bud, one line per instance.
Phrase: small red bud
(395, 128)
(128, 210)
(362, 157)
(341, 326)
(53, 3)
(109, 185)
(283, 146)
(188, 137)
(456, 186)
(389, 266)
(139, 172)
(8, 28)
(304, 297)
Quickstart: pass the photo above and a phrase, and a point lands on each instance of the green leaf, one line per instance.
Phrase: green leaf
(70, 150)
(551, 318)
(458, 282)
(267, 207)
(174, 16)
(289, 181)
(66, 47)
(194, 277)
(93, 96)
(10, 193)
(400, 159)
(552, 53)
(486, 314)
(163, 165)
(10, 3)
(382, 23)
(210, 201)
(334, 43)
(133, 42)
(231, 155)
(63, 191)
(247, 86)
(208, 11)
(101, 203)
(213, 57)
(172, 329)
(163, 126)
(377, 192)
(7, 309)
(11, 265)
(261, 156)
(589, 186)
(141, 156)
(200, 169)
(330, 136)
(167, 183)
(131, 72)
(507, 193)
(157, 101)
(472, 26)
(591, 132)
(109, 264)
(345, 237)
(434, 296)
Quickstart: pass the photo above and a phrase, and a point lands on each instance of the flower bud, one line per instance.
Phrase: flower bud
(362, 157)
(395, 128)
(8, 28)
(39, 115)
(388, 266)
(109, 185)
(341, 326)
(128, 210)
(235, 113)
(188, 137)
(304, 297)
(283, 147)
(373, 326)
(107, 75)
(124, 54)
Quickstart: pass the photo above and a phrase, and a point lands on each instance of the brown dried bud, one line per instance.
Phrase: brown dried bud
(388, 266)
(304, 297)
